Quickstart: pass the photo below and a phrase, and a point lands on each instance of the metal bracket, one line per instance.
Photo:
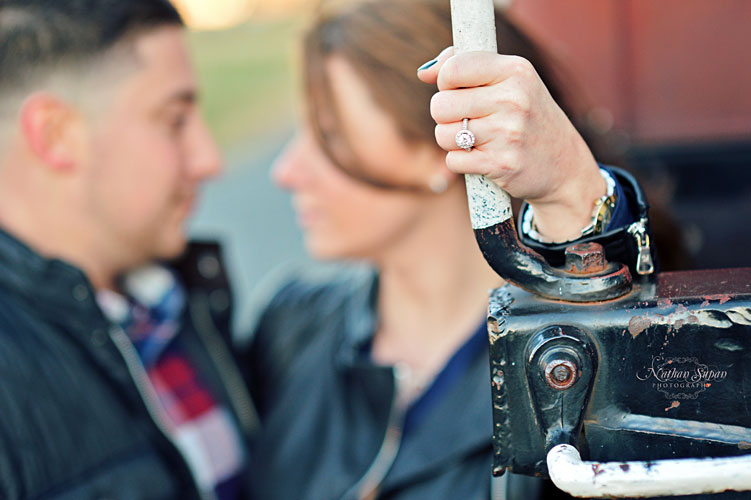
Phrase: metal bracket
(560, 371)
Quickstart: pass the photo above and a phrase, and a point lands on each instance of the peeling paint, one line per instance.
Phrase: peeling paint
(721, 297)
(739, 315)
(672, 477)
(638, 324)
(682, 316)
(674, 404)
(489, 204)
(664, 303)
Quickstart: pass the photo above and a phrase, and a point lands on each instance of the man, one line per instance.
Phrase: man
(114, 378)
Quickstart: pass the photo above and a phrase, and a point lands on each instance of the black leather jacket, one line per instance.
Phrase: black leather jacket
(73, 424)
(327, 411)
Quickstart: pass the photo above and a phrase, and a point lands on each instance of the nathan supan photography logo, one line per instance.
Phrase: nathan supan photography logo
(681, 377)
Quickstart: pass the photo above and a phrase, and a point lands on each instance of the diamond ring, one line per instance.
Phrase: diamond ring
(465, 139)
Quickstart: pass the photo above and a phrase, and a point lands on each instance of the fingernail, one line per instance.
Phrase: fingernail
(427, 65)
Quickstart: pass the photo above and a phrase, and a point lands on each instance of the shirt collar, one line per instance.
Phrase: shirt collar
(149, 309)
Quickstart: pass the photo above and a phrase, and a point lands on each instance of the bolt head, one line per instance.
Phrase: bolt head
(560, 374)
(585, 258)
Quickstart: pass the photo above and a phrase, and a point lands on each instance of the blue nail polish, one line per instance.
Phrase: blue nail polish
(427, 65)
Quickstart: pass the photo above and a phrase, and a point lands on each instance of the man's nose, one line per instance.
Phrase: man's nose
(205, 159)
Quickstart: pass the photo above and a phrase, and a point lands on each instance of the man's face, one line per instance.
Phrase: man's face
(148, 152)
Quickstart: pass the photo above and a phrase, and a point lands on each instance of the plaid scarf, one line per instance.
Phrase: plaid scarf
(149, 312)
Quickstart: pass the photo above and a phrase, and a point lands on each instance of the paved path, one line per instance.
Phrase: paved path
(253, 220)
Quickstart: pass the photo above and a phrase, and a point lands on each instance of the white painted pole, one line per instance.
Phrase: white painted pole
(688, 476)
(473, 24)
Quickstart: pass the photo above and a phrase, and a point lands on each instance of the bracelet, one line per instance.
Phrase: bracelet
(602, 214)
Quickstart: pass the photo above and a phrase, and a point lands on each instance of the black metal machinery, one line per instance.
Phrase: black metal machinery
(612, 386)
(660, 373)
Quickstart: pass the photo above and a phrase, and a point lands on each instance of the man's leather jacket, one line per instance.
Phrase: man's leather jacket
(73, 422)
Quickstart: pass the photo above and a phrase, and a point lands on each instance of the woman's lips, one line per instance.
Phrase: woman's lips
(305, 215)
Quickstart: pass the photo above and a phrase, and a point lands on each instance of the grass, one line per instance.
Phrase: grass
(248, 79)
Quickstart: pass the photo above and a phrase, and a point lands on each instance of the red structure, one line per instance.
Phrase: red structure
(669, 71)
(671, 81)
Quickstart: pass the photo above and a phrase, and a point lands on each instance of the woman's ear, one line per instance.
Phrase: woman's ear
(49, 127)
(440, 181)
(439, 176)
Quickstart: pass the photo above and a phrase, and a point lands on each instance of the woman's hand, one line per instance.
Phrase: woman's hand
(524, 141)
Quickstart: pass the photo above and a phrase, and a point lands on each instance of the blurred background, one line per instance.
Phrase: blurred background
(245, 52)
(667, 87)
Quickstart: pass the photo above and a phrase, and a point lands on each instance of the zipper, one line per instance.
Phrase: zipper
(224, 363)
(644, 263)
(150, 398)
(366, 488)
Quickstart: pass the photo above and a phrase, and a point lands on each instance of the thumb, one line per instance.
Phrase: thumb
(428, 72)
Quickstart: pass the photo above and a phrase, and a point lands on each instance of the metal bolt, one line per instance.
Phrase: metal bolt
(560, 374)
(585, 258)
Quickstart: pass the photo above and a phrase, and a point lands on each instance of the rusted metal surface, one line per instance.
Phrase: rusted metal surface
(569, 351)
(560, 374)
(473, 29)
(526, 269)
(705, 284)
(672, 378)
(585, 258)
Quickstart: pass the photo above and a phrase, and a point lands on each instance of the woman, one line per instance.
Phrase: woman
(376, 386)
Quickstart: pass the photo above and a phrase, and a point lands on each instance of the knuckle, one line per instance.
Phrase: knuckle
(515, 130)
(452, 162)
(508, 162)
(439, 106)
(447, 77)
(515, 100)
(495, 128)
(442, 137)
(522, 104)
(522, 67)
(435, 105)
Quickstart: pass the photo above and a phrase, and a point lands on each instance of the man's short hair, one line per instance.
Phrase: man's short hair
(41, 37)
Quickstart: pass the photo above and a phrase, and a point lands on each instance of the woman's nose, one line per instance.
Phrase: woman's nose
(288, 170)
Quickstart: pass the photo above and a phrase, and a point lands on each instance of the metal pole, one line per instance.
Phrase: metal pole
(473, 24)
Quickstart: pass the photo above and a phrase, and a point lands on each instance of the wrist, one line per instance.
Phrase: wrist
(589, 213)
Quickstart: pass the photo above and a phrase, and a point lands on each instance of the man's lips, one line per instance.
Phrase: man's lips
(188, 204)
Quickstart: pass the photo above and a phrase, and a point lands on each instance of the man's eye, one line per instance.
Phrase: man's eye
(177, 122)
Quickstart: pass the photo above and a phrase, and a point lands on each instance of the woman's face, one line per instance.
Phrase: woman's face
(343, 217)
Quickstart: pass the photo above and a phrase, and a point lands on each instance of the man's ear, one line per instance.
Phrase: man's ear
(50, 125)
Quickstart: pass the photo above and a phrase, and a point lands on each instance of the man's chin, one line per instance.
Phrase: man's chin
(169, 250)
